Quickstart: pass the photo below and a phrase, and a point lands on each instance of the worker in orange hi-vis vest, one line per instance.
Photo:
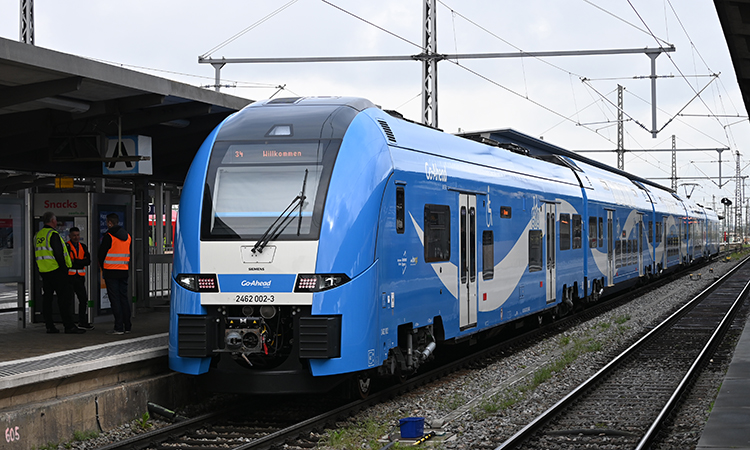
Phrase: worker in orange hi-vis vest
(80, 258)
(114, 260)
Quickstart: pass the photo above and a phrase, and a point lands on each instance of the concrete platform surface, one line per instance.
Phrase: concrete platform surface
(52, 385)
(20, 343)
(31, 355)
(728, 425)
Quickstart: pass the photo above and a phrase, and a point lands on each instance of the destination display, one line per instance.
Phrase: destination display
(272, 153)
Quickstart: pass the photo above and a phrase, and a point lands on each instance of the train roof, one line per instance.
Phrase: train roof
(539, 148)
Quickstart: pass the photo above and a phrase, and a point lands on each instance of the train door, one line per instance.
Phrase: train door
(664, 242)
(550, 236)
(610, 250)
(639, 247)
(468, 264)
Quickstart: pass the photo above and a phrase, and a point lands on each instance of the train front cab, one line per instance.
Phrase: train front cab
(264, 318)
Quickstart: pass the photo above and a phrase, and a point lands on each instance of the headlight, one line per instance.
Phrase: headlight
(198, 282)
(319, 282)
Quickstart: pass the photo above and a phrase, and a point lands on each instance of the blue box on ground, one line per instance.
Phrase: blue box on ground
(412, 427)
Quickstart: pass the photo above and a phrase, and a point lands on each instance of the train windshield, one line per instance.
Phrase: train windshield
(251, 185)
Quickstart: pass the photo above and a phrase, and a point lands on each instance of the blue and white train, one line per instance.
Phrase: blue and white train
(323, 239)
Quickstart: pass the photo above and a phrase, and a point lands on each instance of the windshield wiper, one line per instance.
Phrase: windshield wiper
(302, 202)
(279, 225)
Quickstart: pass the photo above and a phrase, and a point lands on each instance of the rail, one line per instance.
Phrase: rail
(590, 384)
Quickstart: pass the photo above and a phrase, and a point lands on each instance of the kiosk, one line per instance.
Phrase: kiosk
(88, 212)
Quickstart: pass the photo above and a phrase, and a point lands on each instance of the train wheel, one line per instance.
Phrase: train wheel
(363, 384)
(401, 375)
(595, 292)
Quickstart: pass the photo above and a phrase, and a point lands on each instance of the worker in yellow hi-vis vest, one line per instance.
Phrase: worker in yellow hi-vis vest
(53, 261)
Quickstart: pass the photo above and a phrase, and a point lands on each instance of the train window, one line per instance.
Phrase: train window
(618, 253)
(564, 231)
(658, 232)
(488, 255)
(535, 250)
(577, 231)
(472, 244)
(505, 212)
(592, 232)
(400, 217)
(601, 232)
(437, 233)
(650, 231)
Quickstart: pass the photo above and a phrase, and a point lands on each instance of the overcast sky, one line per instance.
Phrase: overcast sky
(540, 97)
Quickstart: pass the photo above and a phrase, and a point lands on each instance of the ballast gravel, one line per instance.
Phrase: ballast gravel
(481, 408)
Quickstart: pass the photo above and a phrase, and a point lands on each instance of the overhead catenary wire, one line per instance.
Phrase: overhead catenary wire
(670, 58)
(408, 101)
(585, 81)
(648, 32)
(254, 25)
(576, 113)
(681, 121)
(505, 41)
(727, 130)
(456, 63)
(235, 83)
(373, 25)
(520, 93)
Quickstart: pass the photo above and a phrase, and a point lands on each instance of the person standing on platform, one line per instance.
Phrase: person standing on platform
(53, 261)
(80, 258)
(114, 259)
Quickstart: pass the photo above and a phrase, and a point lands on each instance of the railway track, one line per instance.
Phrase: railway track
(627, 402)
(266, 423)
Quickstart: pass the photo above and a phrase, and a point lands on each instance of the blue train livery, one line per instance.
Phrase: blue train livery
(323, 239)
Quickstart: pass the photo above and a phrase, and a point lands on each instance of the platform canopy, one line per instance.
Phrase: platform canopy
(57, 110)
(734, 16)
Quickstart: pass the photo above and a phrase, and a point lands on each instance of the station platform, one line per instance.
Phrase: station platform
(728, 425)
(20, 343)
(30, 355)
(54, 385)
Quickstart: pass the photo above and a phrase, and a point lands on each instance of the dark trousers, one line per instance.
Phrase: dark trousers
(78, 285)
(56, 282)
(117, 291)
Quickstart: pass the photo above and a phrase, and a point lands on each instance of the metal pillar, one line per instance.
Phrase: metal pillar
(217, 78)
(674, 163)
(27, 22)
(620, 130)
(738, 199)
(653, 57)
(429, 65)
(158, 217)
(168, 218)
(140, 244)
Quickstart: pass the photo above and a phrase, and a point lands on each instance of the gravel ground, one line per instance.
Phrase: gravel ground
(90, 441)
(482, 408)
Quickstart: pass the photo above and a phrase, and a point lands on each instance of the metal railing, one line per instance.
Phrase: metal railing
(160, 276)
